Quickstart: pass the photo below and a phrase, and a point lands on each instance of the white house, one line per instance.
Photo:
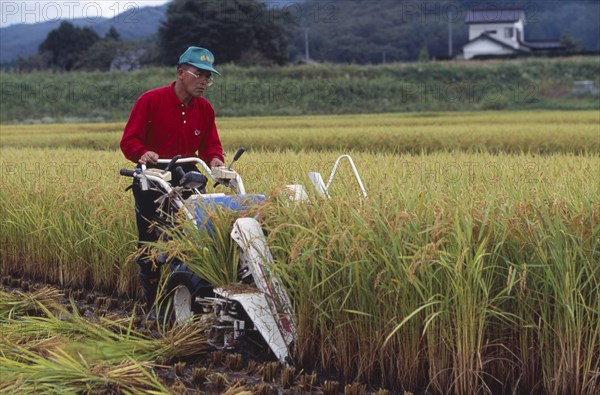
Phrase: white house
(498, 31)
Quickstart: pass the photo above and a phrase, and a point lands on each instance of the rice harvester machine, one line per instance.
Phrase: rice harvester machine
(261, 304)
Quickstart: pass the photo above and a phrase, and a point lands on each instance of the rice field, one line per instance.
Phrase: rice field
(542, 132)
(472, 267)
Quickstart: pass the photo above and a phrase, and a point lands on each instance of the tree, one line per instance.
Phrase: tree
(112, 34)
(363, 31)
(234, 30)
(37, 62)
(570, 43)
(65, 44)
(101, 55)
(424, 55)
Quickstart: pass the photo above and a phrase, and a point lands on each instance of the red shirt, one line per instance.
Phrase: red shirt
(160, 122)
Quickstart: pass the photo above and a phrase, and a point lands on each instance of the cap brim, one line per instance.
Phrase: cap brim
(205, 67)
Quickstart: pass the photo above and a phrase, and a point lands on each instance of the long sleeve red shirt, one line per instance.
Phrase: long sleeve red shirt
(160, 122)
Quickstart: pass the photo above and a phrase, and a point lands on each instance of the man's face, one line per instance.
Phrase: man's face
(194, 80)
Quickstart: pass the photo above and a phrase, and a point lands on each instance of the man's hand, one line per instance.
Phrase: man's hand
(149, 157)
(216, 162)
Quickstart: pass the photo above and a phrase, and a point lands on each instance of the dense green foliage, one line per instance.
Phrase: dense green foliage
(355, 31)
(239, 31)
(576, 18)
(69, 47)
(298, 90)
(364, 31)
(66, 44)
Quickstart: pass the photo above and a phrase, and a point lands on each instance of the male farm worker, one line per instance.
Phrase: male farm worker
(164, 122)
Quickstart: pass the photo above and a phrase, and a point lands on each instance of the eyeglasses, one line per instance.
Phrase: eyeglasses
(208, 78)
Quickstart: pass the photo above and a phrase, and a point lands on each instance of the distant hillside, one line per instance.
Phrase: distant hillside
(368, 31)
(358, 31)
(23, 39)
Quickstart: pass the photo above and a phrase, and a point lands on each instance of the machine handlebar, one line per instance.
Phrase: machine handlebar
(172, 163)
(126, 172)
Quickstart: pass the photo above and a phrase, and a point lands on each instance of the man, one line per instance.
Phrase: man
(164, 122)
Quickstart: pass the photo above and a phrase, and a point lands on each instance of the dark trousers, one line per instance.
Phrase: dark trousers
(145, 215)
(149, 224)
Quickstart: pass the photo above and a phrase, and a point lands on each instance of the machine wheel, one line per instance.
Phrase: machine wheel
(183, 287)
(182, 304)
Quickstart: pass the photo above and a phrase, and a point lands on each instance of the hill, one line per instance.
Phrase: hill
(22, 40)
(364, 31)
(357, 31)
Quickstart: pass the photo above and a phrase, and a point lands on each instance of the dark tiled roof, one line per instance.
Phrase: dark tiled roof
(543, 44)
(494, 15)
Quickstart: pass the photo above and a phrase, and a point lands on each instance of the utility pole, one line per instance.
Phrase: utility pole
(306, 54)
(383, 57)
(450, 35)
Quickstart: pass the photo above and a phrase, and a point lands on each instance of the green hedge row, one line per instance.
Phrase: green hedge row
(312, 89)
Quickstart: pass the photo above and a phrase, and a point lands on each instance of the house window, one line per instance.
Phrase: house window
(509, 32)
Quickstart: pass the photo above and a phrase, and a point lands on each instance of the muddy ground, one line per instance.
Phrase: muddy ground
(249, 367)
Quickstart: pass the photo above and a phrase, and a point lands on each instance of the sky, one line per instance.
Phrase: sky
(35, 11)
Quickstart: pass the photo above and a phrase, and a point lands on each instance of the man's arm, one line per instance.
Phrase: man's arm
(211, 150)
(134, 135)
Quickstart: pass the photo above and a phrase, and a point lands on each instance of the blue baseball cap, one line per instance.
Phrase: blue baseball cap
(198, 57)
